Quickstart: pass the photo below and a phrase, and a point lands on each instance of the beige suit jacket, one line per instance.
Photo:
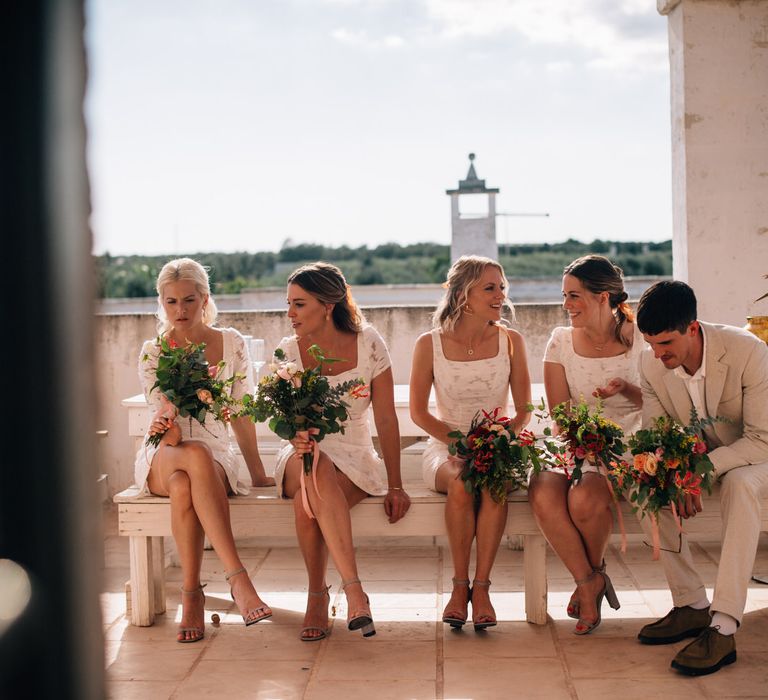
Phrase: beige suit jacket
(735, 388)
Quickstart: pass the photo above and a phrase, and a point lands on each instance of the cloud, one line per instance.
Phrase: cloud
(360, 38)
(613, 33)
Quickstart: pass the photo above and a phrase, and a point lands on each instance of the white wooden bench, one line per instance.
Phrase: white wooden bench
(146, 520)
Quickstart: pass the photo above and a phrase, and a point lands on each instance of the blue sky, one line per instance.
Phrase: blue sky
(237, 125)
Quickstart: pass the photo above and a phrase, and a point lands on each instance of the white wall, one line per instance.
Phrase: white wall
(719, 106)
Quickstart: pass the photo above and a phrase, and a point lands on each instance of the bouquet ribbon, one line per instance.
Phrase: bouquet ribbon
(313, 470)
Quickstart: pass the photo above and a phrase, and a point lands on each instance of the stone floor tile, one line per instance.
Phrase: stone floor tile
(638, 688)
(506, 640)
(165, 660)
(112, 606)
(586, 657)
(141, 690)
(260, 642)
(386, 614)
(492, 678)
(376, 659)
(747, 678)
(393, 689)
(245, 680)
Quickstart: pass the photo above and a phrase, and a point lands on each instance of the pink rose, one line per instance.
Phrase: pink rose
(580, 452)
(700, 447)
(205, 396)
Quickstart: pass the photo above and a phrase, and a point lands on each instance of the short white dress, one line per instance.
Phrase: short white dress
(352, 452)
(585, 374)
(461, 390)
(215, 434)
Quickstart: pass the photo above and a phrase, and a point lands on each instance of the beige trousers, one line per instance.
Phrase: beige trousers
(741, 489)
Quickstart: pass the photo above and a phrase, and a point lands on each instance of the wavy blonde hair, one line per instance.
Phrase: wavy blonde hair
(182, 270)
(464, 274)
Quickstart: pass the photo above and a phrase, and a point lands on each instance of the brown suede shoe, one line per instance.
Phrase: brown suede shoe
(709, 652)
(677, 624)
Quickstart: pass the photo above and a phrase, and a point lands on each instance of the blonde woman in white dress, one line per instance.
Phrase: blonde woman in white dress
(596, 357)
(195, 465)
(472, 361)
(322, 312)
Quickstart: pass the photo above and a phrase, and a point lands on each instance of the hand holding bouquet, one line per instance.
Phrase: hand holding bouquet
(586, 436)
(670, 462)
(302, 401)
(188, 383)
(494, 457)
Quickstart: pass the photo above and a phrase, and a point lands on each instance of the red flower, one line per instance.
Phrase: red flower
(172, 344)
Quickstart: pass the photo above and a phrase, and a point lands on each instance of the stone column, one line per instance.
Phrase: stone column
(719, 103)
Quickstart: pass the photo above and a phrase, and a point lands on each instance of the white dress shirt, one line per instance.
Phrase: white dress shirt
(695, 382)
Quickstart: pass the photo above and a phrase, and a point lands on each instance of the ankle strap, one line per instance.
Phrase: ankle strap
(478, 582)
(194, 590)
(344, 584)
(323, 592)
(460, 581)
(234, 573)
(586, 579)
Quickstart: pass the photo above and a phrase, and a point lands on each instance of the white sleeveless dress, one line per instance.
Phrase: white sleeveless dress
(352, 452)
(461, 390)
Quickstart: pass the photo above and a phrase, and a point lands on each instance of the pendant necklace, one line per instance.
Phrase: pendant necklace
(470, 351)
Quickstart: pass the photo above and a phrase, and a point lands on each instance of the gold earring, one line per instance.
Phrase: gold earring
(467, 310)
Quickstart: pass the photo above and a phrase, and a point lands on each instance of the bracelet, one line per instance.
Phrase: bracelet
(395, 488)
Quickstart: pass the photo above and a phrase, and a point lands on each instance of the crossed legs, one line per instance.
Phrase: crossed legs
(577, 522)
(197, 487)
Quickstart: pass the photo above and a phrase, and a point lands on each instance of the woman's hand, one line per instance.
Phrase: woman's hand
(262, 479)
(396, 504)
(617, 385)
(302, 444)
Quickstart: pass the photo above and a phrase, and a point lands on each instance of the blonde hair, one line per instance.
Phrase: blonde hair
(464, 274)
(326, 283)
(178, 270)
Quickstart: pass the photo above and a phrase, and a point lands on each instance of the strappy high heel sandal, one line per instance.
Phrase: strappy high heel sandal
(200, 631)
(252, 615)
(453, 617)
(324, 631)
(484, 624)
(583, 627)
(573, 604)
(361, 619)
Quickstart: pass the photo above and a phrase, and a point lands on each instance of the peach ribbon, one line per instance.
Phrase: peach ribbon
(302, 482)
(656, 537)
(619, 515)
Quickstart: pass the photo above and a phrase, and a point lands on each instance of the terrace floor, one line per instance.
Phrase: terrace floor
(413, 654)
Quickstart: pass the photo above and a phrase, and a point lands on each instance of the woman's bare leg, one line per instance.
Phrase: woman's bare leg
(491, 520)
(208, 489)
(330, 531)
(589, 505)
(460, 521)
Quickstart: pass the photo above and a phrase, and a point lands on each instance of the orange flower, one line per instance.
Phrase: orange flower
(673, 463)
(647, 462)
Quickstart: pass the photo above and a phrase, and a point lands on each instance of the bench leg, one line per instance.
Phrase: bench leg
(142, 582)
(158, 573)
(535, 574)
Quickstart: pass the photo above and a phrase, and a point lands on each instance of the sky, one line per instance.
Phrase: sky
(246, 125)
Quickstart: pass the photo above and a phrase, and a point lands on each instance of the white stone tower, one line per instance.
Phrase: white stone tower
(473, 217)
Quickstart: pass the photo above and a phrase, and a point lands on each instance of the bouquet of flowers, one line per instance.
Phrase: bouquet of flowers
(296, 401)
(494, 457)
(670, 461)
(585, 434)
(189, 383)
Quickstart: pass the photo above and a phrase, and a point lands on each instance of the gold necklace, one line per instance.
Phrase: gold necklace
(470, 351)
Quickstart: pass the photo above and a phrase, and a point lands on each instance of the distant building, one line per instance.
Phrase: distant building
(473, 217)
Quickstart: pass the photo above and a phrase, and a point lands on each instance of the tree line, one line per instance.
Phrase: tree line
(389, 263)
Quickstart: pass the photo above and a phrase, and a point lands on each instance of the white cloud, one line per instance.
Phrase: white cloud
(615, 33)
(359, 37)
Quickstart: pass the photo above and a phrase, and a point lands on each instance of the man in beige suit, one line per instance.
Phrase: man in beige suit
(722, 372)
